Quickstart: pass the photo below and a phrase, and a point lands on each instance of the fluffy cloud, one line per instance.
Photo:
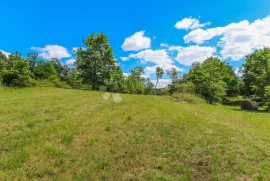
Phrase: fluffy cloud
(175, 48)
(70, 61)
(189, 23)
(154, 56)
(236, 39)
(124, 58)
(52, 51)
(159, 57)
(162, 83)
(191, 54)
(126, 74)
(136, 42)
(199, 36)
(5, 53)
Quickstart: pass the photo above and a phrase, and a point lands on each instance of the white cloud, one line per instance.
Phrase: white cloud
(5, 53)
(52, 51)
(145, 76)
(126, 74)
(124, 58)
(190, 23)
(162, 83)
(237, 39)
(164, 45)
(154, 56)
(191, 54)
(70, 61)
(136, 42)
(199, 36)
(158, 57)
(175, 48)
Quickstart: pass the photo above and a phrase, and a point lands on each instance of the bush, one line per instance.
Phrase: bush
(188, 98)
(14, 78)
(268, 107)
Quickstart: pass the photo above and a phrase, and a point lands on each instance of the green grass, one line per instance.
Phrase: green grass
(64, 134)
(187, 98)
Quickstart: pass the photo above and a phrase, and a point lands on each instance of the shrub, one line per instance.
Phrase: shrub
(13, 78)
(187, 97)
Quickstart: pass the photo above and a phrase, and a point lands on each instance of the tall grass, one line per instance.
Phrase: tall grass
(187, 98)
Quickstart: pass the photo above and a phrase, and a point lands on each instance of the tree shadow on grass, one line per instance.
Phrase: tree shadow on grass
(250, 111)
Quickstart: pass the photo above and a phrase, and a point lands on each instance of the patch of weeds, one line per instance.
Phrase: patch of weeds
(129, 118)
(17, 159)
(30, 125)
(57, 154)
(92, 141)
(222, 147)
(67, 139)
(108, 128)
(138, 138)
(104, 177)
(83, 174)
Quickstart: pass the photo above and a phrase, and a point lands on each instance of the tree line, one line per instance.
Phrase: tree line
(95, 67)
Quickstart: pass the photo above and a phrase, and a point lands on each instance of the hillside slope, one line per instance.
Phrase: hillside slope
(61, 134)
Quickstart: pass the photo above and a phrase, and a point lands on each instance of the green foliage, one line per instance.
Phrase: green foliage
(256, 72)
(3, 61)
(45, 70)
(96, 61)
(213, 79)
(57, 65)
(116, 81)
(173, 74)
(148, 86)
(184, 87)
(16, 72)
(134, 82)
(188, 98)
(32, 60)
(159, 73)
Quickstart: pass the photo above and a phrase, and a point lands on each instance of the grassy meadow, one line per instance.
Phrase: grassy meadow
(65, 134)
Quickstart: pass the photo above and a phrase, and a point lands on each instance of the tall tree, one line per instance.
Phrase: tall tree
(134, 82)
(159, 74)
(213, 79)
(256, 72)
(172, 73)
(96, 61)
(148, 86)
(57, 65)
(45, 70)
(116, 82)
(32, 60)
(3, 60)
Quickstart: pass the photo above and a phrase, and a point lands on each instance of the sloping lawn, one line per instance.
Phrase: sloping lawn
(62, 134)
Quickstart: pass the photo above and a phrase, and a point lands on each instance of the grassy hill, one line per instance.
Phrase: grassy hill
(62, 134)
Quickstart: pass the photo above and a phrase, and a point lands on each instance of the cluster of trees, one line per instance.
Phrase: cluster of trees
(95, 67)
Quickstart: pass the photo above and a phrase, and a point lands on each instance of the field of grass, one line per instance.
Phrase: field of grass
(64, 134)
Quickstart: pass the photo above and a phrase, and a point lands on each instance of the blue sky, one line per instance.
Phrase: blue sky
(136, 29)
